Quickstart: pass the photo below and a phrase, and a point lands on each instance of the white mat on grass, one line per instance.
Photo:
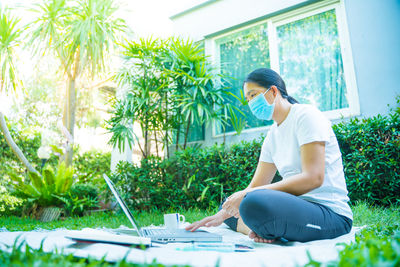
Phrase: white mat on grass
(278, 254)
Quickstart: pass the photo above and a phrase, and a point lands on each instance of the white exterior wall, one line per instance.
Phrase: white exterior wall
(223, 14)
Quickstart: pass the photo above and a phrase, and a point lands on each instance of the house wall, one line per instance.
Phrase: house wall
(215, 17)
(374, 28)
(374, 32)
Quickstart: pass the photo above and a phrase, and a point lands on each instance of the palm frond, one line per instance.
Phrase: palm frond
(10, 39)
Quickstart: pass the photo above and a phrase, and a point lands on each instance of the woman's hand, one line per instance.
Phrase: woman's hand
(232, 203)
(213, 220)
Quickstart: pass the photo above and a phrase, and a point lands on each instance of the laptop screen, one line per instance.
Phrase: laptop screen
(122, 204)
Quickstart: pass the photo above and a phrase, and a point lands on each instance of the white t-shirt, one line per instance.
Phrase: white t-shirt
(305, 124)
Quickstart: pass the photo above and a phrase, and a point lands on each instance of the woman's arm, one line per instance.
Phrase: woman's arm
(264, 174)
(311, 177)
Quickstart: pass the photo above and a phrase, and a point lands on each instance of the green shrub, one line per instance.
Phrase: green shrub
(9, 204)
(371, 158)
(90, 166)
(373, 247)
(84, 190)
(80, 198)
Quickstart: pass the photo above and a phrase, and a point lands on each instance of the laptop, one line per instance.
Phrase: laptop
(162, 235)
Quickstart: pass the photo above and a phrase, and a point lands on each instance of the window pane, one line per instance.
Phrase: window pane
(196, 131)
(310, 61)
(239, 54)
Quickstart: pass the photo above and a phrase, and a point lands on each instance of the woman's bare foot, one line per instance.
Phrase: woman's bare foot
(259, 239)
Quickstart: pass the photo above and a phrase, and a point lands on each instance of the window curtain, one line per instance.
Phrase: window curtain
(310, 61)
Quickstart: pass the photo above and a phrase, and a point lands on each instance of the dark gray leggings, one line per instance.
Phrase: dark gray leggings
(274, 214)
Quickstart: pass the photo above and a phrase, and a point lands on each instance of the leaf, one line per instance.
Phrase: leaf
(49, 179)
(60, 177)
(57, 150)
(37, 182)
(16, 178)
(203, 193)
(68, 181)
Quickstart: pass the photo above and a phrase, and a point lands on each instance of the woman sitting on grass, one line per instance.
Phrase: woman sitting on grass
(310, 202)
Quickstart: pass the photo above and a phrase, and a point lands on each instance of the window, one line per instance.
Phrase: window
(239, 54)
(306, 47)
(310, 61)
(195, 133)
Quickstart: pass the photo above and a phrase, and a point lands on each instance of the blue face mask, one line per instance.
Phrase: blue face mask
(261, 108)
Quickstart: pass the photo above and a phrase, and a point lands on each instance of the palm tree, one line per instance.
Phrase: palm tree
(199, 91)
(80, 36)
(10, 39)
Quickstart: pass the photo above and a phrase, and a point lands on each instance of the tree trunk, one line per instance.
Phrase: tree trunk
(187, 131)
(178, 131)
(14, 147)
(166, 123)
(224, 136)
(71, 106)
(146, 142)
(146, 139)
(155, 139)
(70, 120)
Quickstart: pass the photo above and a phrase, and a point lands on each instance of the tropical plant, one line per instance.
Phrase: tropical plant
(142, 75)
(236, 118)
(10, 39)
(198, 93)
(80, 36)
(170, 87)
(44, 189)
(77, 205)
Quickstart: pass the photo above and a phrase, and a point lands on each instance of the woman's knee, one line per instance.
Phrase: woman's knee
(258, 205)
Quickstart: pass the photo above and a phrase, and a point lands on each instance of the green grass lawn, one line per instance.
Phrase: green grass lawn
(103, 219)
(380, 243)
(363, 215)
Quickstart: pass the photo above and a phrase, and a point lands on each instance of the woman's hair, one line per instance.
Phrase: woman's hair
(266, 78)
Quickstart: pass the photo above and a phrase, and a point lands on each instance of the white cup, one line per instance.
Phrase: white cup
(172, 220)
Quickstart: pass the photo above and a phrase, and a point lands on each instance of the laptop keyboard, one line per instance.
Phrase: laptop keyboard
(158, 232)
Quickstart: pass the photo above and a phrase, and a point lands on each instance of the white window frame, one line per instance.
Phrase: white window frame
(211, 47)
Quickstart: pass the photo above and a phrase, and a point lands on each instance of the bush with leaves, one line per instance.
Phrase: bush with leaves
(371, 158)
(374, 246)
(80, 198)
(43, 190)
(90, 166)
(9, 204)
